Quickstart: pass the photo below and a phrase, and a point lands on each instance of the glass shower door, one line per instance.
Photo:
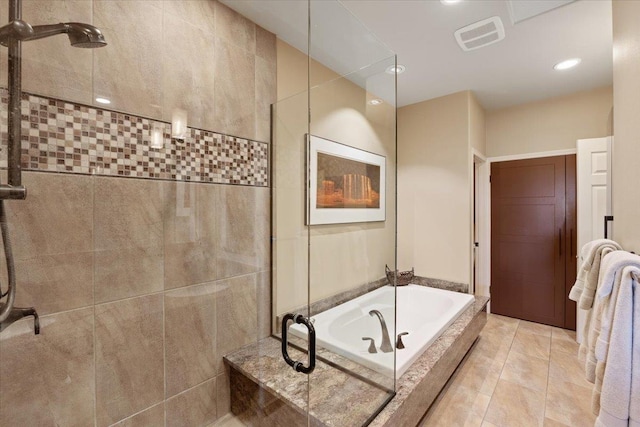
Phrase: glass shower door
(333, 216)
(351, 178)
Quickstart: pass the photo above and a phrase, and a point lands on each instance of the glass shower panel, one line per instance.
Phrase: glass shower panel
(352, 200)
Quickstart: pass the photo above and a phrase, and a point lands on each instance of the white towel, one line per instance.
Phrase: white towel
(608, 290)
(634, 407)
(584, 289)
(599, 341)
(610, 263)
(578, 286)
(616, 396)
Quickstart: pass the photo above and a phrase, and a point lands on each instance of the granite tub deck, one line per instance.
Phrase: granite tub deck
(265, 391)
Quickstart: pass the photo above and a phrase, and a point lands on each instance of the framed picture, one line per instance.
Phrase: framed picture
(346, 184)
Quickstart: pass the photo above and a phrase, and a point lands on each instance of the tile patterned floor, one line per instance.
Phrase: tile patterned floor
(518, 374)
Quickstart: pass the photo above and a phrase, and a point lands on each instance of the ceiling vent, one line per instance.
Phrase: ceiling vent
(480, 34)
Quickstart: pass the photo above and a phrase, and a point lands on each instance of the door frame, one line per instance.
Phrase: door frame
(485, 195)
(480, 170)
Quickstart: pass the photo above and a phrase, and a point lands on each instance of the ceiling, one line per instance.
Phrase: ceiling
(516, 70)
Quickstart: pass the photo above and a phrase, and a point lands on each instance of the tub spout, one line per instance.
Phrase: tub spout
(385, 347)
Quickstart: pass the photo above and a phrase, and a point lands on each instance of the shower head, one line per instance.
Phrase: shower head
(80, 35)
(84, 35)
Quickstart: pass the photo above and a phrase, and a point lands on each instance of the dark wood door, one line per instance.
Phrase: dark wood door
(528, 239)
(571, 239)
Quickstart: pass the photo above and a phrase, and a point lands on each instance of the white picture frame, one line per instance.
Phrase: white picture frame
(346, 184)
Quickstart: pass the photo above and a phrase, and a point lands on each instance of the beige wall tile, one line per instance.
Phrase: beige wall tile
(128, 272)
(128, 213)
(223, 396)
(190, 337)
(129, 357)
(266, 45)
(190, 234)
(265, 96)
(151, 417)
(198, 13)
(187, 77)
(54, 283)
(129, 233)
(55, 218)
(264, 304)
(48, 379)
(236, 315)
(129, 70)
(195, 407)
(235, 94)
(235, 28)
(243, 224)
(67, 74)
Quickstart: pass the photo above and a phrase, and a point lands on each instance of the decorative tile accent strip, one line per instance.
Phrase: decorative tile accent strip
(60, 136)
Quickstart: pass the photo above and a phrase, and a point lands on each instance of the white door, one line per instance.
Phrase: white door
(594, 197)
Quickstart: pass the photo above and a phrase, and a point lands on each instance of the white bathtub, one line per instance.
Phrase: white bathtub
(422, 311)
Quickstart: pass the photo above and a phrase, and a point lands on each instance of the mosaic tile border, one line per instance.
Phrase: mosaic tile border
(61, 136)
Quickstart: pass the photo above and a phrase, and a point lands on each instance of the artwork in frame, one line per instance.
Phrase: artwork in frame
(346, 184)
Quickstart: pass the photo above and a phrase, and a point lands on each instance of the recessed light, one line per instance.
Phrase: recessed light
(375, 102)
(448, 2)
(565, 65)
(397, 69)
(103, 100)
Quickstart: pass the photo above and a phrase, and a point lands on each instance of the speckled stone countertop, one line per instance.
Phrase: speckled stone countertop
(336, 397)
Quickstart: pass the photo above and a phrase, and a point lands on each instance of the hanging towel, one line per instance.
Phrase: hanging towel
(593, 325)
(578, 286)
(584, 289)
(616, 396)
(601, 332)
(634, 407)
(608, 290)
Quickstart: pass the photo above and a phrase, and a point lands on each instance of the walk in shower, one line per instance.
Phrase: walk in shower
(143, 240)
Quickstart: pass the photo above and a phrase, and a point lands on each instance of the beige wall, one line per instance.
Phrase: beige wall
(344, 255)
(434, 185)
(548, 125)
(626, 149)
(477, 125)
(142, 285)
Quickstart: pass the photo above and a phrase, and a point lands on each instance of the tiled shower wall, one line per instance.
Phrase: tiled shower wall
(143, 280)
